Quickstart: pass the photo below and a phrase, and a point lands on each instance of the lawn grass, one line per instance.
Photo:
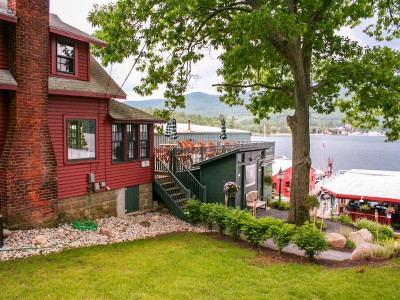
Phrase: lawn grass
(186, 266)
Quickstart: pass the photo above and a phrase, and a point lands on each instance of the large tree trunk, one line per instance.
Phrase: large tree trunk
(299, 125)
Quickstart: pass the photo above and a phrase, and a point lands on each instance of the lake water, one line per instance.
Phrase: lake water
(348, 151)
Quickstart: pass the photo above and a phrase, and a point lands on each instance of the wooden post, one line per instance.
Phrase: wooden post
(254, 207)
(226, 200)
(323, 215)
(315, 215)
(377, 224)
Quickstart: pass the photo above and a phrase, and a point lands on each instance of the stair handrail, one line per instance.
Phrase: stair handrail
(196, 187)
(159, 162)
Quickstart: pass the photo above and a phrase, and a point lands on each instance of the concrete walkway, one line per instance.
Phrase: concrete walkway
(333, 255)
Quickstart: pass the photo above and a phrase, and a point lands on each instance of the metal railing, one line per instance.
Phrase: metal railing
(180, 170)
(193, 155)
(170, 184)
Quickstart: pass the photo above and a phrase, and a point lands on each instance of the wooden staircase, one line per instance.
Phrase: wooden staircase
(171, 190)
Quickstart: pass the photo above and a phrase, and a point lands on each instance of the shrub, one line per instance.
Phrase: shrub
(311, 240)
(233, 221)
(310, 201)
(254, 230)
(345, 219)
(205, 217)
(350, 244)
(318, 224)
(384, 232)
(282, 234)
(217, 216)
(192, 210)
(280, 205)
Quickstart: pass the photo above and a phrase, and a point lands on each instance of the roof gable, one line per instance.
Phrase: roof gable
(59, 27)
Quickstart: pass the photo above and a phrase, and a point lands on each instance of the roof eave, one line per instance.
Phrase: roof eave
(77, 37)
(85, 94)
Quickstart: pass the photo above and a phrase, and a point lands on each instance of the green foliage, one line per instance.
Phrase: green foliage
(345, 219)
(292, 58)
(365, 208)
(280, 205)
(384, 232)
(193, 211)
(310, 201)
(318, 224)
(350, 244)
(282, 234)
(205, 215)
(234, 219)
(254, 231)
(268, 180)
(218, 214)
(311, 240)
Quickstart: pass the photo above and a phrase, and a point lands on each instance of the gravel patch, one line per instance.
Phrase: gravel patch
(20, 244)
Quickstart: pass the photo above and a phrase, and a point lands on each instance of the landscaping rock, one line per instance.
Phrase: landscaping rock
(155, 218)
(6, 233)
(356, 238)
(367, 235)
(145, 224)
(40, 240)
(396, 246)
(336, 240)
(105, 232)
(165, 210)
(365, 250)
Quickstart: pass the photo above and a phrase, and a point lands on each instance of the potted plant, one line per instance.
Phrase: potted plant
(365, 208)
(230, 190)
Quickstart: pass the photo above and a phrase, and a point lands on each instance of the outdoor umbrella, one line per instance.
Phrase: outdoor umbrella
(223, 136)
(174, 134)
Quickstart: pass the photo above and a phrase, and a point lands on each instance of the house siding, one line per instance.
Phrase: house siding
(72, 177)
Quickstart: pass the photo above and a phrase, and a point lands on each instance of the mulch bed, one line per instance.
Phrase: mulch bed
(267, 255)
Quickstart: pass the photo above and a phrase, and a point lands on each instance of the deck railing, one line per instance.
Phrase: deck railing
(383, 220)
(193, 155)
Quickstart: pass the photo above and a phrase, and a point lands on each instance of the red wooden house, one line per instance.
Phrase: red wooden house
(286, 165)
(62, 136)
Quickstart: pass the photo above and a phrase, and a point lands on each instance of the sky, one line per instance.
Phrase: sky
(75, 12)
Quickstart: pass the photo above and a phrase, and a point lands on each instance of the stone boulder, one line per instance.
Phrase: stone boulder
(40, 240)
(105, 232)
(356, 238)
(6, 233)
(165, 210)
(396, 245)
(365, 250)
(155, 218)
(367, 235)
(336, 240)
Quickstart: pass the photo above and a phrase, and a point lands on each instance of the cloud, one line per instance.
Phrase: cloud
(205, 69)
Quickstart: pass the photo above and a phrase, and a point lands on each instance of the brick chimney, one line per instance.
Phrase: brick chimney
(28, 178)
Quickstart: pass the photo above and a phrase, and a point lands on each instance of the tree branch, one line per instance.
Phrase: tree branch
(255, 85)
(319, 86)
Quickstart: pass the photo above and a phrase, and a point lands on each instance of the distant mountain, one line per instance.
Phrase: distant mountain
(196, 103)
(208, 105)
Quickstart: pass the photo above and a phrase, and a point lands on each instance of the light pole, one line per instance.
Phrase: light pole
(280, 176)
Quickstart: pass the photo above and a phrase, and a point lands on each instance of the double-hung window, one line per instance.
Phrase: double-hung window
(124, 142)
(118, 142)
(81, 139)
(144, 141)
(65, 59)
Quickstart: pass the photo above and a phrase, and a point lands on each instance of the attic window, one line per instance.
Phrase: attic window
(65, 55)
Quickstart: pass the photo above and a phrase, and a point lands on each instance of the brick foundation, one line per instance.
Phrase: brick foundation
(28, 187)
(145, 196)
